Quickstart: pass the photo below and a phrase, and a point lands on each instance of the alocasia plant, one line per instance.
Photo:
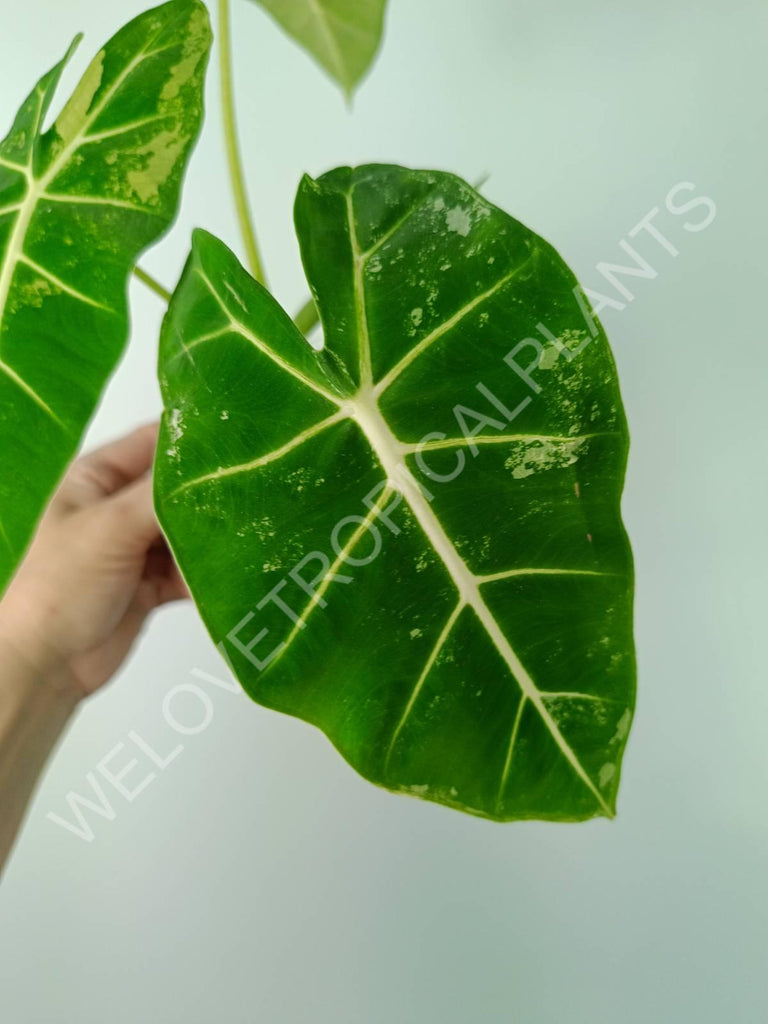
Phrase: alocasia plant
(78, 204)
(410, 538)
(376, 547)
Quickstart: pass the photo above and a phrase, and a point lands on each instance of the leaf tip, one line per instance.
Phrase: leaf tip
(200, 239)
(308, 184)
(72, 47)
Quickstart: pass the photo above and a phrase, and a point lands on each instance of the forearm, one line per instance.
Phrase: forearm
(34, 711)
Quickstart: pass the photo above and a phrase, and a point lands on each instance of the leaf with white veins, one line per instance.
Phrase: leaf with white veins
(412, 538)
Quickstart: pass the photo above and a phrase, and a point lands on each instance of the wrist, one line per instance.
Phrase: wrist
(29, 662)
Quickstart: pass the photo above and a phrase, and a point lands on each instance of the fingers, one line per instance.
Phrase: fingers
(150, 595)
(162, 577)
(129, 518)
(108, 469)
(122, 529)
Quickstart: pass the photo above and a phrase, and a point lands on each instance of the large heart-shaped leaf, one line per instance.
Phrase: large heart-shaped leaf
(342, 35)
(78, 203)
(412, 538)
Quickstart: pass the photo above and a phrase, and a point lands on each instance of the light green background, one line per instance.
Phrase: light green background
(258, 879)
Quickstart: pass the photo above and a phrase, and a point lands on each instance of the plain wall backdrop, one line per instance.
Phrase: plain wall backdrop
(257, 878)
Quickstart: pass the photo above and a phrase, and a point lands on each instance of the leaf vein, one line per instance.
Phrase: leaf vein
(119, 204)
(441, 640)
(62, 285)
(111, 133)
(319, 591)
(364, 349)
(29, 391)
(510, 750)
(397, 225)
(330, 39)
(509, 573)
(239, 327)
(264, 460)
(447, 325)
(469, 442)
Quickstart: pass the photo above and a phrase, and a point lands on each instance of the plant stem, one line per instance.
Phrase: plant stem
(151, 283)
(307, 317)
(233, 152)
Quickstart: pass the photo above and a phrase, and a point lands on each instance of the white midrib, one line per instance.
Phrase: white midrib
(364, 408)
(391, 453)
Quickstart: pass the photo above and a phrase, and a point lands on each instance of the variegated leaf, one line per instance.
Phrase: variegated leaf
(78, 204)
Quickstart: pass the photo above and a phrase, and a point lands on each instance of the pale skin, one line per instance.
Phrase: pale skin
(97, 569)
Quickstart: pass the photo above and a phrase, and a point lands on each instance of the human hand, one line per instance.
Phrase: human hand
(97, 567)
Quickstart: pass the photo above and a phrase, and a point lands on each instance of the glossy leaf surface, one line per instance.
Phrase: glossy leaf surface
(78, 203)
(411, 539)
(342, 35)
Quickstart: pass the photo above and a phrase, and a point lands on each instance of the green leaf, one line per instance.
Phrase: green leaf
(458, 622)
(78, 203)
(342, 35)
